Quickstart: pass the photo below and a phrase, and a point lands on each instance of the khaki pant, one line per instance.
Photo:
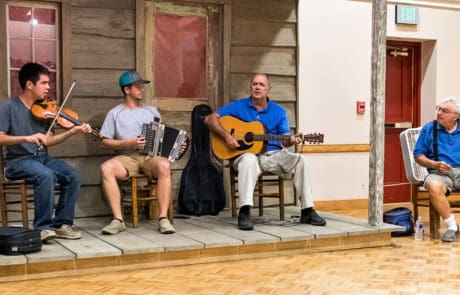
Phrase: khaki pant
(290, 165)
(135, 163)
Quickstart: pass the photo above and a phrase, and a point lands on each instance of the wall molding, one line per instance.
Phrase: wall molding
(354, 204)
(335, 148)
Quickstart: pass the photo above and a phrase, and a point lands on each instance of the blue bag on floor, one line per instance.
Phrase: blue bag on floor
(400, 216)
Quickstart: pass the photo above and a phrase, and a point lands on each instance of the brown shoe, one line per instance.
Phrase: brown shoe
(114, 227)
(47, 235)
(68, 232)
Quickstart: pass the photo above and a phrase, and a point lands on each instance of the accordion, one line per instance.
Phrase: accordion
(162, 140)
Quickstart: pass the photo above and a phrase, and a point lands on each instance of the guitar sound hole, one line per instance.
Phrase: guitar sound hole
(249, 137)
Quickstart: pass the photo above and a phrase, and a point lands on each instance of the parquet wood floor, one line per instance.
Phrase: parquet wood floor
(406, 267)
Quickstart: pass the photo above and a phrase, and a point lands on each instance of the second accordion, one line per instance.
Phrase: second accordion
(162, 140)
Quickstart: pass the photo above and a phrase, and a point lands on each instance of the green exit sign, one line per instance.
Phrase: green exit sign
(406, 15)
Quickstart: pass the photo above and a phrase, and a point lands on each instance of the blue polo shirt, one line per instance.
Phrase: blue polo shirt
(448, 144)
(273, 117)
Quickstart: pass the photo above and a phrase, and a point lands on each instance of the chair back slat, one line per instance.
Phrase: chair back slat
(414, 172)
(2, 167)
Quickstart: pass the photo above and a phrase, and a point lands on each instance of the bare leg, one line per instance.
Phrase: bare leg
(160, 168)
(112, 170)
(440, 203)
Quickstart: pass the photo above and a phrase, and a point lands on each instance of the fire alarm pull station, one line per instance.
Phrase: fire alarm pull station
(360, 107)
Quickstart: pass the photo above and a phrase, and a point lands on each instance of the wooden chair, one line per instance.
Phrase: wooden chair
(138, 190)
(265, 181)
(12, 194)
(416, 175)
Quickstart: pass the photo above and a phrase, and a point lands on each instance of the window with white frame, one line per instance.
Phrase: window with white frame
(32, 36)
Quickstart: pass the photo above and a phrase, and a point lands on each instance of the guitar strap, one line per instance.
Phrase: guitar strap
(435, 140)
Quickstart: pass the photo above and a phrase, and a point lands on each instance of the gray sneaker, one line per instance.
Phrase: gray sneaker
(66, 231)
(114, 227)
(47, 235)
(450, 235)
(165, 227)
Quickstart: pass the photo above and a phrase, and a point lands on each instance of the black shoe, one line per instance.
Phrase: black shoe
(244, 219)
(311, 217)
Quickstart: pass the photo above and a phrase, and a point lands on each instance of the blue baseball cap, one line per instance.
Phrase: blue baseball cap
(130, 77)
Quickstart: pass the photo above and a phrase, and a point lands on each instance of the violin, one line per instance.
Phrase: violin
(45, 109)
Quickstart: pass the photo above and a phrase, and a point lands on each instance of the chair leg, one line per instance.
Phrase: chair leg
(25, 217)
(134, 200)
(3, 208)
(233, 196)
(281, 194)
(151, 204)
(434, 222)
(260, 186)
(414, 197)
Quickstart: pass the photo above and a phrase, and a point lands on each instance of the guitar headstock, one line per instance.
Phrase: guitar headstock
(313, 138)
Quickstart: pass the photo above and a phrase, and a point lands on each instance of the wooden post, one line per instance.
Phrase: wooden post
(377, 116)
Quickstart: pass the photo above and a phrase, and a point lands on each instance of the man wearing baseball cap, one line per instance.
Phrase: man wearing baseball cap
(122, 129)
(131, 77)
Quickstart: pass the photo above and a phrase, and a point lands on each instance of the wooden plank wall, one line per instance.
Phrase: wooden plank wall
(264, 39)
(103, 44)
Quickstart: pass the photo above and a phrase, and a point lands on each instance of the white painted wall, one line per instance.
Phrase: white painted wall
(335, 45)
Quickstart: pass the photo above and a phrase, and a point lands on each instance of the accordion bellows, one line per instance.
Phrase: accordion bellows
(162, 140)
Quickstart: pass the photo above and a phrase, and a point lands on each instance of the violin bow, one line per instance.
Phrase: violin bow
(62, 106)
(59, 111)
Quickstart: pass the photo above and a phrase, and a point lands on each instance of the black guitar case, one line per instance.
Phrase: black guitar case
(201, 187)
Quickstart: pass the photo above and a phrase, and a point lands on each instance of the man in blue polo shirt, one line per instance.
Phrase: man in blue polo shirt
(276, 159)
(444, 169)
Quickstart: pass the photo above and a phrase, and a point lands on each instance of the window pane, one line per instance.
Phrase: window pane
(32, 37)
(45, 53)
(180, 56)
(19, 24)
(20, 52)
(44, 23)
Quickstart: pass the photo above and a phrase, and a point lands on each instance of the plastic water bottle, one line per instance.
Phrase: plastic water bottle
(419, 229)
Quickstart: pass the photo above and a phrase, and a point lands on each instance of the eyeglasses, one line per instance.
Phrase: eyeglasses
(444, 110)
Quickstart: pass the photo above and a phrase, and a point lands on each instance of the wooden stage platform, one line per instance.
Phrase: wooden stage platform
(197, 240)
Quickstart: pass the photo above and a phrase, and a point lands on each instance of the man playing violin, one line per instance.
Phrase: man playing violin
(27, 140)
(277, 159)
(121, 131)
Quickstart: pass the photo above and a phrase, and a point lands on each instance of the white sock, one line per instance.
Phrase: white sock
(451, 223)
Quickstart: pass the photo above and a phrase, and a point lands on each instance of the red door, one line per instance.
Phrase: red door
(402, 100)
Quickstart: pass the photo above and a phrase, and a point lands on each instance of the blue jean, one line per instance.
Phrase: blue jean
(44, 172)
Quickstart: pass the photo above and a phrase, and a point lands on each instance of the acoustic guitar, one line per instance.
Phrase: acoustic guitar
(251, 138)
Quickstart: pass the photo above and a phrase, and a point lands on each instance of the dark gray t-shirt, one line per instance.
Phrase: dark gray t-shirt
(17, 120)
